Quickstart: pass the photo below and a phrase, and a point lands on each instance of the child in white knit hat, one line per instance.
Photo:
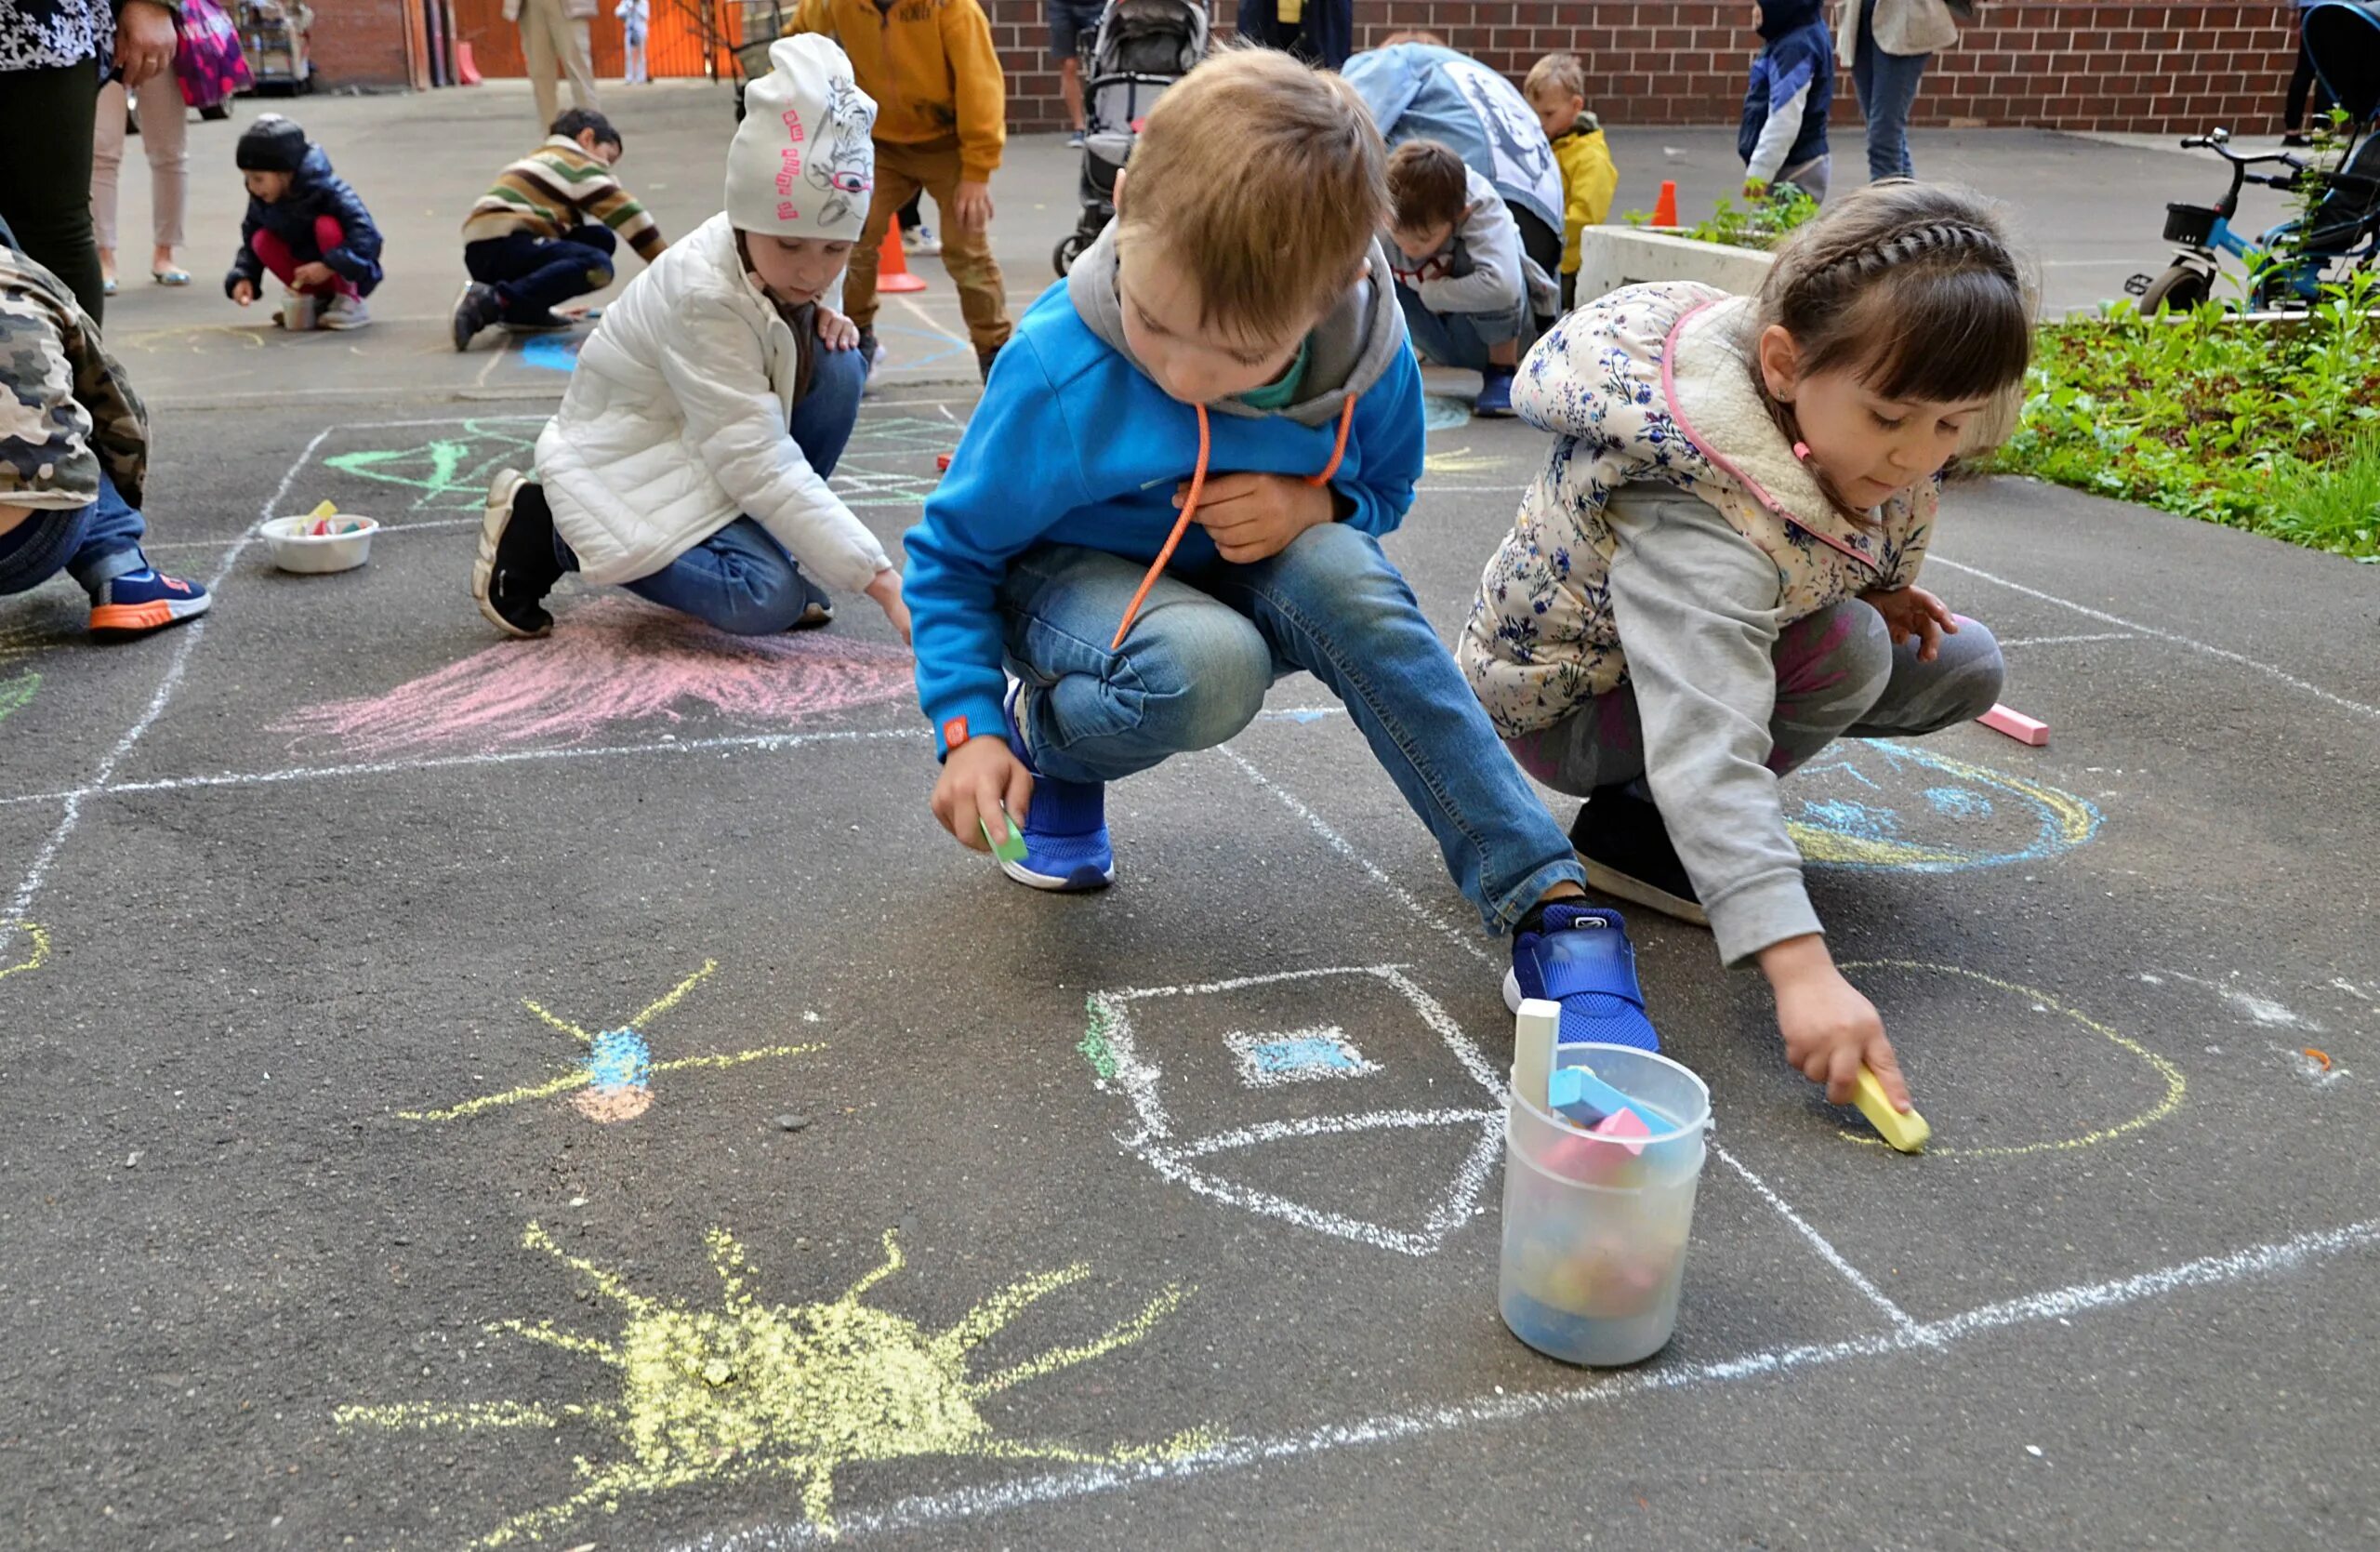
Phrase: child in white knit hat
(688, 460)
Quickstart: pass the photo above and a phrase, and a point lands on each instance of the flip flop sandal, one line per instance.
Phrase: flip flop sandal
(175, 276)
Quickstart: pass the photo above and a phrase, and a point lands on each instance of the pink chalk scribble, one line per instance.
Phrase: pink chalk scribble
(611, 661)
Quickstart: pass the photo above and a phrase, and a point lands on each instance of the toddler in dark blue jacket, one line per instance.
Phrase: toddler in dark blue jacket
(307, 227)
(1783, 138)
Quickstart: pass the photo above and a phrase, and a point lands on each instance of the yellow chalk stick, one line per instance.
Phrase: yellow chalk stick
(1906, 1131)
(326, 509)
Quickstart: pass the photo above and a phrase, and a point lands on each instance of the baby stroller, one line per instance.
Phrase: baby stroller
(2341, 232)
(1143, 48)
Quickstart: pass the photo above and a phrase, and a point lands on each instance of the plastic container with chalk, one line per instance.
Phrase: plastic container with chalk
(1596, 1226)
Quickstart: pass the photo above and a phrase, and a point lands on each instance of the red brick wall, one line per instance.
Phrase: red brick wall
(360, 43)
(2179, 66)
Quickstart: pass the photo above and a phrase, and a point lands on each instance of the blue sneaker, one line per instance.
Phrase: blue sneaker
(1495, 401)
(1065, 827)
(1579, 958)
(143, 601)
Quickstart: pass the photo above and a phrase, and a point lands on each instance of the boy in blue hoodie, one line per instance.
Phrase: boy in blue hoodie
(307, 227)
(1172, 493)
(1783, 135)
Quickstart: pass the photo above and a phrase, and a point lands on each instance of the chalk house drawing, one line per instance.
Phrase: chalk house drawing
(744, 1390)
(1124, 1065)
(614, 1079)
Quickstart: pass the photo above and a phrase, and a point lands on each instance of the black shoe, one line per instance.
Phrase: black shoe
(818, 606)
(2295, 142)
(474, 310)
(516, 566)
(1627, 852)
(544, 323)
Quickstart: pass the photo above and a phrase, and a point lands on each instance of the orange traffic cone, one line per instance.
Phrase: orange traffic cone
(1665, 207)
(893, 264)
(466, 69)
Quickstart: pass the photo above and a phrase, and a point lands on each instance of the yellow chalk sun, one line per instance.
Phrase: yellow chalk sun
(744, 1390)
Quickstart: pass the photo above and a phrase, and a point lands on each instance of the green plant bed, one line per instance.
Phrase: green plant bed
(2272, 427)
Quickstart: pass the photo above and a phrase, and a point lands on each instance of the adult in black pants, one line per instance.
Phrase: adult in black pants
(2292, 118)
(51, 55)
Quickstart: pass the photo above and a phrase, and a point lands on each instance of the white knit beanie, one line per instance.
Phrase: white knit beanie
(801, 164)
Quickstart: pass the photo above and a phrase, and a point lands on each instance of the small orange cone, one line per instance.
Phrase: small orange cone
(466, 69)
(1665, 207)
(893, 264)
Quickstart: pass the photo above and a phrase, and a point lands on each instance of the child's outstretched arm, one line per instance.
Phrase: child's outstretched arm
(1016, 472)
(246, 269)
(1696, 607)
(716, 370)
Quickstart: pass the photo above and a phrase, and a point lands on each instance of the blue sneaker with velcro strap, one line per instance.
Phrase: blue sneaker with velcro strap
(1065, 824)
(1580, 957)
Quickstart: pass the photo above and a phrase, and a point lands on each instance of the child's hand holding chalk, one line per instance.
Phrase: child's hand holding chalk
(1831, 1030)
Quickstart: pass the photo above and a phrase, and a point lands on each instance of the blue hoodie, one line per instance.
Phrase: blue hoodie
(1793, 76)
(314, 190)
(1073, 443)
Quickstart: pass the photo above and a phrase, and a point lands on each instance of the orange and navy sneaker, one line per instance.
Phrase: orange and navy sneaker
(143, 601)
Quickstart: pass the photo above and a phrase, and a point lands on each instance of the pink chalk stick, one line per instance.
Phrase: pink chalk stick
(1623, 1127)
(2018, 726)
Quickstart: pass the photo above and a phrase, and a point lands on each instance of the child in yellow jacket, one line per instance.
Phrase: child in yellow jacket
(1557, 87)
(940, 124)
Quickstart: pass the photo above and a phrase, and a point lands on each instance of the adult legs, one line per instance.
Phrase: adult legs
(45, 194)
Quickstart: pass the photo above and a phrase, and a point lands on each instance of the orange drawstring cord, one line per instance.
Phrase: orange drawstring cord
(1190, 508)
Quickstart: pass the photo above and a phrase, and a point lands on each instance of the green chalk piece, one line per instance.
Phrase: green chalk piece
(1011, 849)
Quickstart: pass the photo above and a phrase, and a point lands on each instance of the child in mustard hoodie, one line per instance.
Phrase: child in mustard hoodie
(941, 120)
(1557, 87)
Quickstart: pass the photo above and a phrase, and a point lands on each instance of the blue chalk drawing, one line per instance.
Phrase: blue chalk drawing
(1959, 802)
(1297, 1056)
(1444, 411)
(554, 353)
(1846, 817)
(619, 1059)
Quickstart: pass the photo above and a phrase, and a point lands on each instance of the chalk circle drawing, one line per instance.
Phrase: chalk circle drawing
(744, 1390)
(612, 660)
(2172, 1085)
(1855, 811)
(35, 951)
(1443, 412)
(614, 1079)
(1122, 1063)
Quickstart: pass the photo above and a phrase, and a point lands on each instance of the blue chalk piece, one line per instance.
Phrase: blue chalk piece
(1585, 1099)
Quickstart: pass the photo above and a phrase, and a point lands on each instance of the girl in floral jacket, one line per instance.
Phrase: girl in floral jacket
(1714, 576)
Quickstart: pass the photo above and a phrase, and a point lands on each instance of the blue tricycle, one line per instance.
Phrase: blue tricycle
(2290, 263)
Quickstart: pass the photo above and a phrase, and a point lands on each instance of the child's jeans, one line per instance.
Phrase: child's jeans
(281, 259)
(1838, 675)
(94, 544)
(1212, 639)
(534, 275)
(1460, 339)
(741, 579)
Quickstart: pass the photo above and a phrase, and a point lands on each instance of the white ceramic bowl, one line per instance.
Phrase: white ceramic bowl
(294, 549)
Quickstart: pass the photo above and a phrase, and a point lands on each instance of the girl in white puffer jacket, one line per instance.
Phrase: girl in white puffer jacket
(690, 457)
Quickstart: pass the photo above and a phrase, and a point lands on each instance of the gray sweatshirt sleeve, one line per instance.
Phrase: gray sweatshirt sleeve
(1496, 284)
(1777, 138)
(1696, 610)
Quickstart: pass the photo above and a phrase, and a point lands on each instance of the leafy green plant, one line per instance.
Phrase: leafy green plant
(2273, 426)
(1759, 225)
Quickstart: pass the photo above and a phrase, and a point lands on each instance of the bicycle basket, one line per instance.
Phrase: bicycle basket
(2191, 224)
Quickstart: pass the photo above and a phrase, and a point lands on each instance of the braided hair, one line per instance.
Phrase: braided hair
(1912, 287)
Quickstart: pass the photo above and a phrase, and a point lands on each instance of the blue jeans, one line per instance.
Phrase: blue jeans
(1459, 338)
(1210, 642)
(94, 544)
(1887, 87)
(741, 579)
(534, 275)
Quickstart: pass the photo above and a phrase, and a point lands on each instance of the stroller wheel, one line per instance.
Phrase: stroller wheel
(1067, 252)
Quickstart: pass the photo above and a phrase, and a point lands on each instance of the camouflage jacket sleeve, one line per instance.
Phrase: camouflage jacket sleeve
(66, 406)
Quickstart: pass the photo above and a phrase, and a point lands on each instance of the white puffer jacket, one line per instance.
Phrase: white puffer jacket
(675, 423)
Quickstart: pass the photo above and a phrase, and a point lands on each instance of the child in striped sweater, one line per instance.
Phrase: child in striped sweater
(548, 229)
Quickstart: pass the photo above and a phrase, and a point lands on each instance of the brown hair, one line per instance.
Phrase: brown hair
(1916, 290)
(1265, 181)
(1427, 183)
(1555, 72)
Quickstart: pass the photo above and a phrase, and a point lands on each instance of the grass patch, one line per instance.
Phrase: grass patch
(2269, 427)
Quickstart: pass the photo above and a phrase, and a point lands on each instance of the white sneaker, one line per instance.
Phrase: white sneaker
(922, 241)
(296, 312)
(344, 311)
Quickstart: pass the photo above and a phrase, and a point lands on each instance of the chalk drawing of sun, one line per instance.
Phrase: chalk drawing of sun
(745, 1390)
(615, 1077)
